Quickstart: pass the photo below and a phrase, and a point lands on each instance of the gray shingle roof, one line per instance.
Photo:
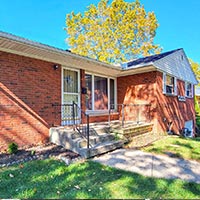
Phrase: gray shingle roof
(149, 59)
(173, 62)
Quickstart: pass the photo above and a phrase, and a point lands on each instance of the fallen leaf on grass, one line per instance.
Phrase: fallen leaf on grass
(11, 175)
(77, 187)
(21, 166)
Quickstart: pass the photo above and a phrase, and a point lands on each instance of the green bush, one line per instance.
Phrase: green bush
(198, 121)
(12, 148)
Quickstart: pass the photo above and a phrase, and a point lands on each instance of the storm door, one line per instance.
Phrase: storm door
(70, 94)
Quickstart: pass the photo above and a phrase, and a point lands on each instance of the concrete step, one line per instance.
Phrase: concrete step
(100, 148)
(133, 130)
(95, 140)
(102, 137)
(137, 130)
(97, 130)
(142, 140)
(70, 139)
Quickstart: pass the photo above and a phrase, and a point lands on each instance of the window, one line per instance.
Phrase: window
(70, 86)
(112, 93)
(100, 92)
(70, 81)
(88, 96)
(188, 90)
(169, 84)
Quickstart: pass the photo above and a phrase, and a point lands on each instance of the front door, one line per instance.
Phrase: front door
(70, 93)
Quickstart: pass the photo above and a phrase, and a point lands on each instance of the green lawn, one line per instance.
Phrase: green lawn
(187, 148)
(53, 179)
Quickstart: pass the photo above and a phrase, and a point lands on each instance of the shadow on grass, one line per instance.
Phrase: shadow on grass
(185, 148)
(187, 145)
(53, 179)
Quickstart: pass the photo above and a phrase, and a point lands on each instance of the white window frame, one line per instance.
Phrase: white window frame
(70, 122)
(186, 90)
(174, 93)
(93, 111)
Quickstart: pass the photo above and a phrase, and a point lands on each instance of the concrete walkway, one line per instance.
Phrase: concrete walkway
(153, 165)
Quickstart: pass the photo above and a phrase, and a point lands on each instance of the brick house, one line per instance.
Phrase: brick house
(35, 76)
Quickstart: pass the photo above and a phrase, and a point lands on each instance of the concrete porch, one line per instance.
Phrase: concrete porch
(103, 137)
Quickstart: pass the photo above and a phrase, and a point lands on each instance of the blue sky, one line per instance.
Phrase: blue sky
(43, 21)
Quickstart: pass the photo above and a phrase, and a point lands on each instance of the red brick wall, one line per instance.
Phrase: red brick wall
(83, 105)
(28, 88)
(148, 88)
(138, 89)
(170, 109)
(103, 118)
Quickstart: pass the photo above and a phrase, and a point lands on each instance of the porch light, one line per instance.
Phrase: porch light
(55, 67)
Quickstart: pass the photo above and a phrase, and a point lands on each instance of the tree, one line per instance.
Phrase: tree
(196, 69)
(113, 33)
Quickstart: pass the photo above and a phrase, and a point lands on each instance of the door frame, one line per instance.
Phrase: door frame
(62, 86)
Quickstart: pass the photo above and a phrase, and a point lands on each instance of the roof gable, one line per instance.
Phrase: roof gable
(173, 62)
(177, 64)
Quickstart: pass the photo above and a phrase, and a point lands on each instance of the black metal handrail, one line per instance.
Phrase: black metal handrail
(71, 115)
(134, 113)
(85, 130)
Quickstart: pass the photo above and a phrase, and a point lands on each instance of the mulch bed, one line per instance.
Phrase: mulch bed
(37, 153)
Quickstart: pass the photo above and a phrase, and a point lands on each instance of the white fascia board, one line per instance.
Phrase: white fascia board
(138, 70)
(138, 66)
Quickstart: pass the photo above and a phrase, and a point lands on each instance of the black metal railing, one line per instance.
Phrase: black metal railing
(72, 115)
(84, 126)
(134, 113)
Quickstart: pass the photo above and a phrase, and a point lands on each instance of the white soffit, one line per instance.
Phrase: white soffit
(20, 46)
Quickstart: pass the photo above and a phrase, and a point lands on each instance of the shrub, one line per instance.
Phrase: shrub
(12, 148)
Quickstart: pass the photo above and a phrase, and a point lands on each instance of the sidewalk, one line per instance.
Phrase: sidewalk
(153, 165)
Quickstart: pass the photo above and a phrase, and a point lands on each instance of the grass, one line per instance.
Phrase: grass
(187, 148)
(53, 179)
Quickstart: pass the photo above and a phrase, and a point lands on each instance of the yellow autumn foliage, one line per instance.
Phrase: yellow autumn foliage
(196, 69)
(113, 33)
